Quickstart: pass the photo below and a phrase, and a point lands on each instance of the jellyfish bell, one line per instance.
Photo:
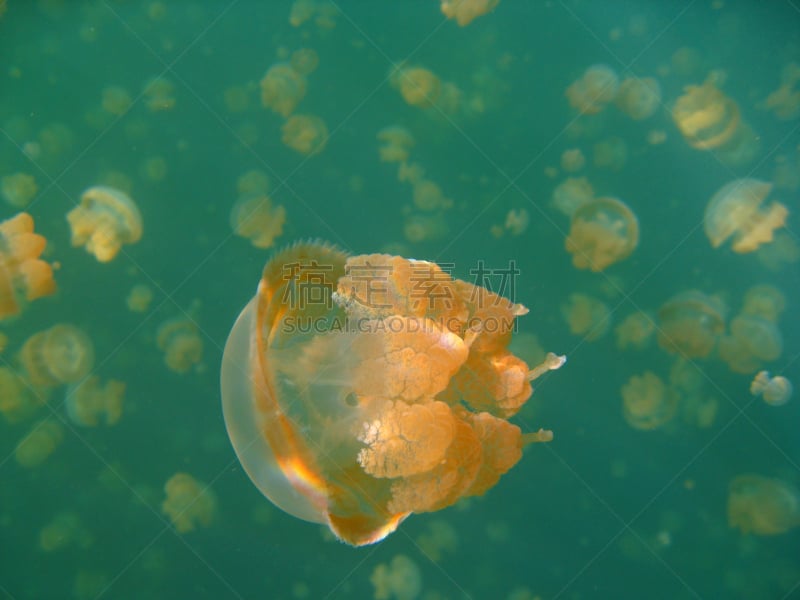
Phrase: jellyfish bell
(752, 341)
(735, 212)
(690, 324)
(705, 116)
(61, 354)
(775, 391)
(603, 231)
(762, 505)
(106, 219)
(592, 92)
(345, 394)
(638, 97)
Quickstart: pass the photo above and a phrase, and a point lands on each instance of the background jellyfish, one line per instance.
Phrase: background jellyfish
(638, 97)
(464, 11)
(647, 403)
(596, 88)
(256, 219)
(189, 503)
(106, 219)
(602, 232)
(690, 323)
(418, 86)
(61, 354)
(775, 391)
(18, 189)
(39, 443)
(762, 505)
(306, 134)
(181, 343)
(89, 403)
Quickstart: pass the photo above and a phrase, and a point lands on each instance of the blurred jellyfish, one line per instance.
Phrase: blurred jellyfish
(572, 160)
(635, 331)
(306, 134)
(61, 354)
(464, 11)
(139, 298)
(784, 102)
(762, 505)
(18, 401)
(23, 276)
(88, 403)
(189, 503)
(439, 538)
(116, 100)
(304, 61)
(39, 443)
(571, 194)
(782, 251)
(410, 173)
(18, 189)
(256, 219)
(602, 232)
(705, 116)
(65, 529)
(418, 86)
(106, 219)
(425, 227)
(181, 343)
(775, 391)
(586, 316)
(752, 341)
(647, 403)
(594, 90)
(153, 169)
(690, 324)
(735, 212)
(301, 11)
(252, 182)
(699, 410)
(638, 97)
(159, 94)
(610, 153)
(764, 301)
(401, 579)
(396, 142)
(282, 89)
(428, 196)
(517, 221)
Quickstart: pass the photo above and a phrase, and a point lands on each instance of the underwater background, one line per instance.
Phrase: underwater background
(163, 100)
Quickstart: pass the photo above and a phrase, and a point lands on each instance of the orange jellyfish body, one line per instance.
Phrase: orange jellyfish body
(359, 389)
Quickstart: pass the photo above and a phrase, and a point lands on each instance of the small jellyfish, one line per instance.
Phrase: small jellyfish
(705, 116)
(428, 196)
(752, 341)
(762, 505)
(181, 343)
(252, 182)
(61, 354)
(306, 134)
(106, 219)
(304, 61)
(18, 401)
(690, 323)
(255, 218)
(775, 391)
(783, 251)
(89, 403)
(586, 316)
(572, 160)
(635, 331)
(602, 232)
(396, 143)
(784, 102)
(65, 529)
(439, 538)
(418, 86)
(401, 579)
(139, 298)
(18, 189)
(594, 90)
(23, 276)
(647, 403)
(153, 169)
(425, 227)
(517, 221)
(735, 212)
(638, 97)
(189, 503)
(301, 11)
(159, 94)
(571, 194)
(116, 100)
(282, 89)
(464, 11)
(764, 301)
(39, 443)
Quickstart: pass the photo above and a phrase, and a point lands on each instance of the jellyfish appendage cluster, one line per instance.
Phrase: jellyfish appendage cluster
(360, 389)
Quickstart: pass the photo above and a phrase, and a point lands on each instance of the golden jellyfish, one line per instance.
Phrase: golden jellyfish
(464, 11)
(418, 86)
(3, 341)
(18, 189)
(735, 212)
(282, 89)
(306, 134)
(357, 390)
(517, 221)
(762, 505)
(775, 391)
(401, 579)
(89, 403)
(428, 196)
(638, 97)
(396, 143)
(647, 403)
(252, 182)
(61, 354)
(23, 276)
(105, 220)
(594, 90)
(602, 232)
(705, 116)
(39, 443)
(690, 324)
(699, 410)
(765, 301)
(181, 343)
(304, 61)
(752, 341)
(139, 298)
(189, 503)
(572, 160)
(586, 316)
(635, 331)
(256, 219)
(571, 194)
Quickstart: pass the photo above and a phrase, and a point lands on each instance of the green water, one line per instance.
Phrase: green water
(603, 511)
